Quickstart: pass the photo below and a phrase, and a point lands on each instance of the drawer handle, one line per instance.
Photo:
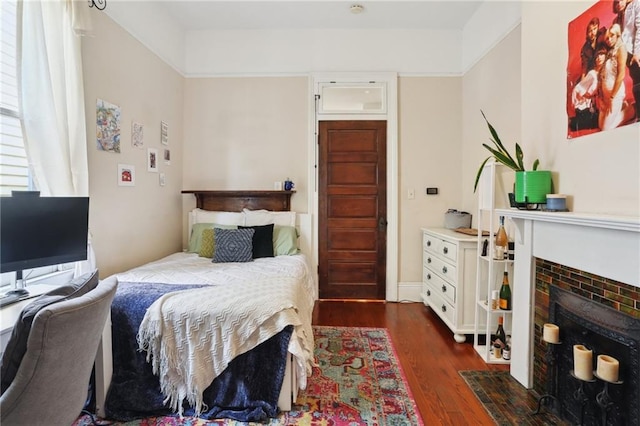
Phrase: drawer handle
(445, 250)
(428, 260)
(444, 269)
(444, 308)
(428, 292)
(428, 243)
(428, 276)
(444, 288)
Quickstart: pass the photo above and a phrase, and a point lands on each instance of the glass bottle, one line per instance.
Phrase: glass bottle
(501, 337)
(505, 293)
(502, 241)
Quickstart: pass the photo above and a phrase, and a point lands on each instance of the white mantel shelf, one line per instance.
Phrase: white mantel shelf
(622, 223)
(604, 245)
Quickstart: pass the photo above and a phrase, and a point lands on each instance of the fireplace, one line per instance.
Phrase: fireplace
(603, 245)
(604, 330)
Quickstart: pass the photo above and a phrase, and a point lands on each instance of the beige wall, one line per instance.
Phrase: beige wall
(132, 225)
(494, 86)
(246, 133)
(430, 151)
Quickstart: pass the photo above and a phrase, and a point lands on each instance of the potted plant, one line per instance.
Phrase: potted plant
(531, 186)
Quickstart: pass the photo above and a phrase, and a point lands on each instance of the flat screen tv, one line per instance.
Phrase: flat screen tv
(40, 231)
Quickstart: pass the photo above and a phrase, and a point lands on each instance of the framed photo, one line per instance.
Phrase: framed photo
(126, 175)
(164, 133)
(152, 160)
(137, 131)
(167, 157)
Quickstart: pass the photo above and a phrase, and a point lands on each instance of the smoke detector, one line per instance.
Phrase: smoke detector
(356, 8)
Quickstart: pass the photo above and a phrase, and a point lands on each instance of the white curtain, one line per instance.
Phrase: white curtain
(52, 98)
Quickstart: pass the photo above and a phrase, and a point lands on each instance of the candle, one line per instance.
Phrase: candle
(551, 333)
(582, 362)
(608, 368)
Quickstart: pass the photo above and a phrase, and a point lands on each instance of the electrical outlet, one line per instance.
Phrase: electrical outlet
(411, 193)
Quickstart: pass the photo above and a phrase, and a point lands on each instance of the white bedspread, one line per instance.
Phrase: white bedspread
(191, 336)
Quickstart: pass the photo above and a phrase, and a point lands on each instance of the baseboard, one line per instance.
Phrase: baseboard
(409, 291)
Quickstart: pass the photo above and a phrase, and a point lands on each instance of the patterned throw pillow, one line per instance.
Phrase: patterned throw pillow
(207, 245)
(233, 245)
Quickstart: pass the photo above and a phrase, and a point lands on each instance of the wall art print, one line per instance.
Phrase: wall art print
(603, 69)
(126, 175)
(107, 126)
(152, 160)
(137, 133)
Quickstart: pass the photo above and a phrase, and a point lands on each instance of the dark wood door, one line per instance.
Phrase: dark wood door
(352, 209)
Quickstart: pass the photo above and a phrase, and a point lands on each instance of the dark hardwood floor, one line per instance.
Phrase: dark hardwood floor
(429, 356)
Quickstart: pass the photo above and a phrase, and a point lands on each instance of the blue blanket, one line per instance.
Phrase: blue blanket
(247, 390)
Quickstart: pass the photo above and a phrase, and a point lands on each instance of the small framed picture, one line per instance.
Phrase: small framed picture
(167, 157)
(137, 131)
(164, 133)
(152, 160)
(126, 175)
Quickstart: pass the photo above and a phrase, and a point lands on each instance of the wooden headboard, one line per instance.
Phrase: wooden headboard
(235, 201)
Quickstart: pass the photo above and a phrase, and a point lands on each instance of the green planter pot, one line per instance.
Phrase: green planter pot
(533, 186)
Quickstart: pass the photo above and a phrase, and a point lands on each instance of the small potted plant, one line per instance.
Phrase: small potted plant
(531, 186)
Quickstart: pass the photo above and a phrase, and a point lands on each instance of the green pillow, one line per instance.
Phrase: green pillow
(195, 242)
(208, 245)
(285, 240)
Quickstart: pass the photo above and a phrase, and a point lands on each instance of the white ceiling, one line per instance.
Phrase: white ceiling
(324, 14)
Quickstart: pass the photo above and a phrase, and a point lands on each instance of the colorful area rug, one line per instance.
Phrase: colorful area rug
(358, 381)
(506, 400)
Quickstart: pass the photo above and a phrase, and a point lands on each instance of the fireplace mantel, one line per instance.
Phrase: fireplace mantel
(604, 245)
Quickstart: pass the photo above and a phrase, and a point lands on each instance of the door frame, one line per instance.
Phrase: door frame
(391, 116)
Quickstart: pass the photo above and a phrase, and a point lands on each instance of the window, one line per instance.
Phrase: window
(14, 169)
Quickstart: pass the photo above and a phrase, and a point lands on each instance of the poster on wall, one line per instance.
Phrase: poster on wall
(603, 70)
(152, 160)
(107, 126)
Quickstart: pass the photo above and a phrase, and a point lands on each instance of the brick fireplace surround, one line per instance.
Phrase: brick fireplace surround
(605, 291)
(601, 251)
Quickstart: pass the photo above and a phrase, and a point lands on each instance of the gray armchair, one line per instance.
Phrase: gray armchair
(51, 384)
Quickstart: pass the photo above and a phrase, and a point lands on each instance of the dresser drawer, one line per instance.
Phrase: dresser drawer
(439, 305)
(446, 270)
(440, 248)
(440, 286)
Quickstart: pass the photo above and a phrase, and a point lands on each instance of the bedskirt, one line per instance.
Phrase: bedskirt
(247, 390)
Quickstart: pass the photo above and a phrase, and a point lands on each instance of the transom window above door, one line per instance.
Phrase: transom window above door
(352, 98)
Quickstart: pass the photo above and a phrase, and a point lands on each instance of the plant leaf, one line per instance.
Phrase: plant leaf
(496, 140)
(536, 164)
(507, 161)
(475, 185)
(519, 156)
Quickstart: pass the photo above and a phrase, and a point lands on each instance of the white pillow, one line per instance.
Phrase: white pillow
(221, 218)
(266, 217)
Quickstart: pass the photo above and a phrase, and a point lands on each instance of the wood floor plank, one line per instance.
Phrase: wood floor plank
(429, 356)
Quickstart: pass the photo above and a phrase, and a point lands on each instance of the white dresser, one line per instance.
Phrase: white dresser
(449, 278)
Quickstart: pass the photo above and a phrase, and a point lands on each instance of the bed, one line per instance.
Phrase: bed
(221, 334)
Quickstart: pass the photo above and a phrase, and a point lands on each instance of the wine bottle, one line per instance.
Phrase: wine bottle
(502, 241)
(505, 293)
(501, 337)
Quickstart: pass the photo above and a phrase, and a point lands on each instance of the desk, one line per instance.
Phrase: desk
(9, 314)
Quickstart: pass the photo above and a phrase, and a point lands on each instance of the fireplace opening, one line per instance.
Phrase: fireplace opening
(605, 331)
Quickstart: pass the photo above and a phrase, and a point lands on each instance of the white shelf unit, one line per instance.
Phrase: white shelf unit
(489, 270)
